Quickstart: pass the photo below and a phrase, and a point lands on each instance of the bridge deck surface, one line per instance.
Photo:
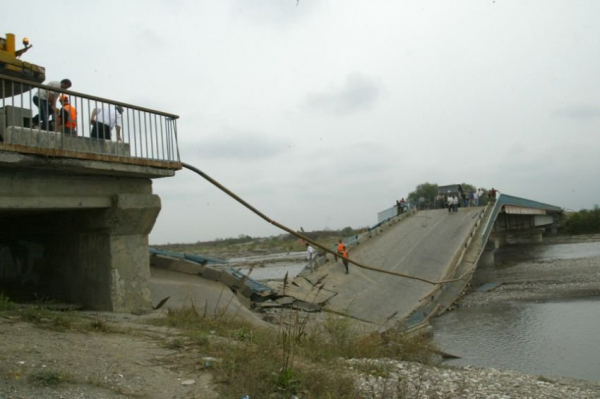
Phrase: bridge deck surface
(423, 245)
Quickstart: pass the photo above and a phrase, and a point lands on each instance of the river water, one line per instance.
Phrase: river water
(556, 338)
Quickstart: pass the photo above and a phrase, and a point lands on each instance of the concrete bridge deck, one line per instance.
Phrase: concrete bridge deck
(424, 245)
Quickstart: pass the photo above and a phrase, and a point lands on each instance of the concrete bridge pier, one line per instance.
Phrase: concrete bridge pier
(77, 231)
(97, 258)
(498, 240)
(486, 258)
(108, 256)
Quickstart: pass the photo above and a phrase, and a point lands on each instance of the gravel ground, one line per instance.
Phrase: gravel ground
(392, 379)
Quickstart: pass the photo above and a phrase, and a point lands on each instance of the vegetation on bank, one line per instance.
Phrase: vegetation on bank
(281, 361)
(287, 360)
(232, 247)
(586, 221)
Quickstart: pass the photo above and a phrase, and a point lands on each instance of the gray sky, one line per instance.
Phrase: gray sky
(323, 113)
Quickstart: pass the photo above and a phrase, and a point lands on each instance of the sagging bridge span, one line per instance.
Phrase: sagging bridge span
(435, 245)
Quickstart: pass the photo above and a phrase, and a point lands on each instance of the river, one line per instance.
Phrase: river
(555, 338)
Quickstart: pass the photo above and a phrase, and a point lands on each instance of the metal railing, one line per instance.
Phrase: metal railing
(98, 128)
(392, 212)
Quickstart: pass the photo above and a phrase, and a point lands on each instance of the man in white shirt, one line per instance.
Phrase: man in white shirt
(310, 256)
(45, 100)
(104, 119)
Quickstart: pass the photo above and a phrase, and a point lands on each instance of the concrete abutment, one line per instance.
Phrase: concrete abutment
(79, 238)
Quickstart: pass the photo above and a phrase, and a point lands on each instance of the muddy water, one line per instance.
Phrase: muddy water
(275, 271)
(271, 267)
(557, 338)
(516, 254)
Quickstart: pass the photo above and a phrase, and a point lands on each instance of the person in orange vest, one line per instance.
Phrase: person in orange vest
(340, 248)
(67, 117)
(345, 259)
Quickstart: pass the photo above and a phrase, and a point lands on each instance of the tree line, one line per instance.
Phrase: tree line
(586, 221)
(430, 190)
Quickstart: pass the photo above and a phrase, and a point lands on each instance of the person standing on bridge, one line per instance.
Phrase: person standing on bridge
(345, 259)
(492, 194)
(479, 196)
(310, 256)
(340, 248)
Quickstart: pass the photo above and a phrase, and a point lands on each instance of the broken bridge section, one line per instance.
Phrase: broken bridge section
(433, 244)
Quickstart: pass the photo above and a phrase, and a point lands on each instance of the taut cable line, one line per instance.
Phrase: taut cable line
(303, 237)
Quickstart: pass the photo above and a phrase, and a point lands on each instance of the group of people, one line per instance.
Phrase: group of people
(471, 199)
(341, 250)
(452, 203)
(401, 206)
(103, 118)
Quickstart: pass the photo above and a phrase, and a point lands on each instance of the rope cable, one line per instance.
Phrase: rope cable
(306, 239)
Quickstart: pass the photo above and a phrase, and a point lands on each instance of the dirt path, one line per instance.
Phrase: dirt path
(37, 362)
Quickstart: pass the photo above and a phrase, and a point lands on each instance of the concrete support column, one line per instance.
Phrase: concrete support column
(487, 258)
(537, 238)
(498, 240)
(104, 263)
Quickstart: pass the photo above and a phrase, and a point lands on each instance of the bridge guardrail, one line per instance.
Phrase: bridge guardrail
(121, 132)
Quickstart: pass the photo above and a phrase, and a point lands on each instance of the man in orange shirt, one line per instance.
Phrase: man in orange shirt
(345, 259)
(340, 248)
(67, 117)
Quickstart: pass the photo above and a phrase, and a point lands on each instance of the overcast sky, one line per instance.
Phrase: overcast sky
(322, 113)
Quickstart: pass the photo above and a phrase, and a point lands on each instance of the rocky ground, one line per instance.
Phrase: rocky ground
(391, 379)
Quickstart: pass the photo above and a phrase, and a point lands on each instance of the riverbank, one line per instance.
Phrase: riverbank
(537, 280)
(81, 355)
(504, 323)
(108, 356)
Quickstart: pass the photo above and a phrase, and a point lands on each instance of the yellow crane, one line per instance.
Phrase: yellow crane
(12, 66)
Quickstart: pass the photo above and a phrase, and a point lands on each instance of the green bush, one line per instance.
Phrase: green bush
(583, 222)
(6, 303)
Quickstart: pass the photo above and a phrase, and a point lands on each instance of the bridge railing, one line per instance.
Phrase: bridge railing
(392, 212)
(97, 129)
